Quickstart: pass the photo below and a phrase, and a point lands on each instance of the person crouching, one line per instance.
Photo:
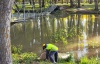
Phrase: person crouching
(51, 50)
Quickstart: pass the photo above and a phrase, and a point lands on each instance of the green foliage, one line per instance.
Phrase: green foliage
(62, 35)
(59, 36)
(16, 49)
(19, 57)
(70, 58)
(25, 58)
(72, 32)
(86, 60)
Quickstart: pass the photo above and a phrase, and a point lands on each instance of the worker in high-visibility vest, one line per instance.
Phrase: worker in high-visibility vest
(50, 51)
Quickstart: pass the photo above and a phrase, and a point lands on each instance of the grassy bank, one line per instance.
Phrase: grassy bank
(20, 57)
(30, 58)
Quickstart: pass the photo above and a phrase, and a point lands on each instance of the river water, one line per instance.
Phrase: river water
(83, 28)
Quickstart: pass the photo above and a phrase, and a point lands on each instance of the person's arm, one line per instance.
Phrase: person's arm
(47, 54)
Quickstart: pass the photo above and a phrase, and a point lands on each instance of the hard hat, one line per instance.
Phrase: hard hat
(44, 46)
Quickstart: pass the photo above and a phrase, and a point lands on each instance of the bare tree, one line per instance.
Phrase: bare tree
(5, 43)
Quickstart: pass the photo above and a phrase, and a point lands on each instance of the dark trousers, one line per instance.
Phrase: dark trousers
(53, 55)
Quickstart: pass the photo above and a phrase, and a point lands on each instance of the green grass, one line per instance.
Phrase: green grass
(29, 58)
(26, 57)
(20, 57)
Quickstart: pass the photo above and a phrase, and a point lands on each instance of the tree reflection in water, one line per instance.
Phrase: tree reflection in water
(82, 28)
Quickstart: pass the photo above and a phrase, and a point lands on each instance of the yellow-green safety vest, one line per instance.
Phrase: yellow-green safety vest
(51, 47)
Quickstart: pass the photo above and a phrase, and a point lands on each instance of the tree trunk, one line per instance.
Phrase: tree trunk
(79, 4)
(33, 2)
(91, 1)
(55, 1)
(62, 1)
(67, 1)
(5, 43)
(30, 2)
(96, 4)
(43, 5)
(71, 3)
(40, 5)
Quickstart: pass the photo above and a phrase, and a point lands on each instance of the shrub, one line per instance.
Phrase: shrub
(25, 58)
(16, 49)
(59, 36)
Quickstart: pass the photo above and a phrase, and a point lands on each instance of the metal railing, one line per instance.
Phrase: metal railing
(21, 13)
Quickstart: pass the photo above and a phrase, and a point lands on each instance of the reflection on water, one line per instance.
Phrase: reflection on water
(32, 33)
(84, 51)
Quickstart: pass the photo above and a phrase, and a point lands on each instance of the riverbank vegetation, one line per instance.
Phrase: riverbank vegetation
(20, 57)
